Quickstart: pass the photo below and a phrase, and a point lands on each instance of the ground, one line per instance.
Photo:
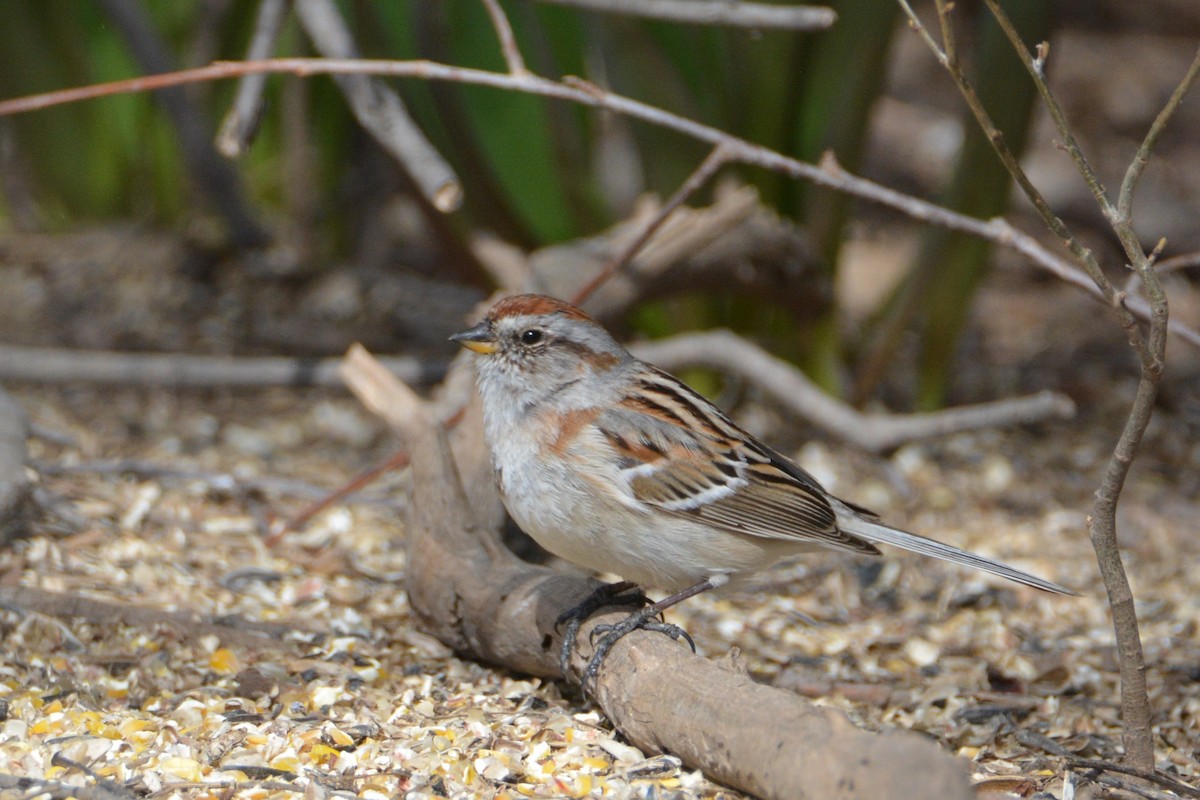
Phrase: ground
(173, 501)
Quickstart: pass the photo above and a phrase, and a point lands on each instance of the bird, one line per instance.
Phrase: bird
(617, 466)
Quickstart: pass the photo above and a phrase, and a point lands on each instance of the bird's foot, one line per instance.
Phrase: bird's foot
(605, 636)
(621, 593)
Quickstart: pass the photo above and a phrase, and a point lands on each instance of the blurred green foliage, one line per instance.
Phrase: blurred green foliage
(529, 166)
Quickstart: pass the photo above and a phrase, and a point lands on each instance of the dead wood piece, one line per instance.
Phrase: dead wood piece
(480, 600)
(15, 489)
(872, 432)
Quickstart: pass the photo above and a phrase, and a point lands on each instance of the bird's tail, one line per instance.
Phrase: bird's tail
(878, 533)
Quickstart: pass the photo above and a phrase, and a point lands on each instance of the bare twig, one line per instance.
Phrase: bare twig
(222, 481)
(398, 460)
(1179, 262)
(791, 388)
(1134, 172)
(715, 12)
(508, 42)
(1134, 787)
(54, 365)
(1178, 787)
(828, 174)
(106, 786)
(380, 110)
(713, 162)
(241, 123)
(1150, 348)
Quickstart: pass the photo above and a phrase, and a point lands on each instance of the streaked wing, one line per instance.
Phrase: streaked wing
(679, 453)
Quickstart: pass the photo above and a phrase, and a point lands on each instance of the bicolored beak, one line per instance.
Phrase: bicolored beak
(479, 339)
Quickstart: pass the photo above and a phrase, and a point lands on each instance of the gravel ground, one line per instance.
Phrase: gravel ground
(303, 674)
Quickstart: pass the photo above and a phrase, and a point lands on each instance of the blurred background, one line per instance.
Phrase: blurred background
(121, 227)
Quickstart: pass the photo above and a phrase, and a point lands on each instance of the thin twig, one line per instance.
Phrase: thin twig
(1134, 172)
(1126, 785)
(1036, 69)
(1149, 347)
(241, 123)
(715, 12)
(1162, 780)
(827, 175)
(508, 42)
(1179, 262)
(221, 481)
(872, 432)
(712, 162)
(398, 460)
(380, 110)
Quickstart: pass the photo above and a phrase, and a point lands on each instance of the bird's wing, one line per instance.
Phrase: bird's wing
(679, 453)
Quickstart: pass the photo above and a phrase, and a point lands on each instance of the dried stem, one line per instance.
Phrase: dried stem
(713, 162)
(872, 432)
(1179, 262)
(1150, 348)
(508, 42)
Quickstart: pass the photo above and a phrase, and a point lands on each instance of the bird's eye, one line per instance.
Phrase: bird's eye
(531, 336)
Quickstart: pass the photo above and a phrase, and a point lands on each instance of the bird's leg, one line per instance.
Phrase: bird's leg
(644, 618)
(608, 594)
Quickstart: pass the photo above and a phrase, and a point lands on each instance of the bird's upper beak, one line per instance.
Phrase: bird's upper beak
(479, 339)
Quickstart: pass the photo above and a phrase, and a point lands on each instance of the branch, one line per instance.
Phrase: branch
(872, 432)
(715, 12)
(712, 162)
(1150, 348)
(508, 42)
(486, 604)
(54, 365)
(1134, 172)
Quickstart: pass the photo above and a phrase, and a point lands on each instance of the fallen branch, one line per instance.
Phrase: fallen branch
(54, 365)
(478, 598)
(792, 389)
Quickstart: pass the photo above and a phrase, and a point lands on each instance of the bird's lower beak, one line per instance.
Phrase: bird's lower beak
(478, 339)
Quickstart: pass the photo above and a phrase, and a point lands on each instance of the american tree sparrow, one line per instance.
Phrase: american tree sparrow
(617, 466)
